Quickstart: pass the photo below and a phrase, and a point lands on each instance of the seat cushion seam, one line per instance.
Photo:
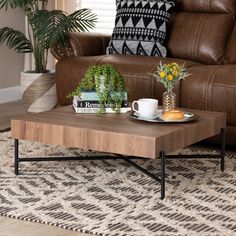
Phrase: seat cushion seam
(208, 90)
(203, 19)
(225, 86)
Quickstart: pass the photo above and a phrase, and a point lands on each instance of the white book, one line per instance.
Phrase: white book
(96, 110)
(92, 95)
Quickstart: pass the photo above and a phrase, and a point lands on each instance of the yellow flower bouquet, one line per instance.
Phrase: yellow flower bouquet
(168, 74)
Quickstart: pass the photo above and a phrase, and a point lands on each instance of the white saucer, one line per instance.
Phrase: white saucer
(148, 117)
(188, 116)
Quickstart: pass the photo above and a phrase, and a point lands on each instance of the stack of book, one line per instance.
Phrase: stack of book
(88, 102)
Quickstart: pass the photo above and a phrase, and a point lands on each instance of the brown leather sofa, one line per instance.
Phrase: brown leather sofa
(202, 35)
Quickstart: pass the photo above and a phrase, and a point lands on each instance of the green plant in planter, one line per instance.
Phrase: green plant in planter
(45, 27)
(107, 82)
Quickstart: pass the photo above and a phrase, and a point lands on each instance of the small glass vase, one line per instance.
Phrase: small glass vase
(168, 100)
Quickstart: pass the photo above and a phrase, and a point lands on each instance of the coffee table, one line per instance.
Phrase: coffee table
(117, 134)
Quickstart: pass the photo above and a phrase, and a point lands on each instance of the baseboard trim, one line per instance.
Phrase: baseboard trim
(10, 94)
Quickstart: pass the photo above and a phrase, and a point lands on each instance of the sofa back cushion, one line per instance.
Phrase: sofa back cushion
(230, 55)
(200, 30)
(213, 6)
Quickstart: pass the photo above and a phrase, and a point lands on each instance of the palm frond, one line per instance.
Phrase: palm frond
(14, 39)
(46, 28)
(82, 20)
(27, 5)
(50, 27)
(8, 3)
(16, 3)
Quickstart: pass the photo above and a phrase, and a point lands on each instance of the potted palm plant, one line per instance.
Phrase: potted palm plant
(46, 28)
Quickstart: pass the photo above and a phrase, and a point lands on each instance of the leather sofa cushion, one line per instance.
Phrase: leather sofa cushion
(199, 37)
(230, 135)
(135, 69)
(213, 6)
(230, 55)
(211, 88)
(88, 44)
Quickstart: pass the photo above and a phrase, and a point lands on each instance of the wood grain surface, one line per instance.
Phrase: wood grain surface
(115, 133)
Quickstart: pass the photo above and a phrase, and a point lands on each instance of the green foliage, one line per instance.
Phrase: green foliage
(15, 39)
(46, 28)
(108, 83)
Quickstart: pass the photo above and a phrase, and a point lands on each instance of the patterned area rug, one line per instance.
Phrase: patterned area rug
(112, 198)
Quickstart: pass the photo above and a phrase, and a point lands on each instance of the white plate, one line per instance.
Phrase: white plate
(188, 116)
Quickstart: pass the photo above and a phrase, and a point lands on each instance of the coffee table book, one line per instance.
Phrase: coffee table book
(93, 96)
(96, 110)
(95, 104)
(88, 102)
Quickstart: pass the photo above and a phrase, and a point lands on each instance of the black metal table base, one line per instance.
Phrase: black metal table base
(128, 159)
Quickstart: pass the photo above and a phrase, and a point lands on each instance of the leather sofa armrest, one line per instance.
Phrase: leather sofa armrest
(82, 44)
(211, 88)
(59, 52)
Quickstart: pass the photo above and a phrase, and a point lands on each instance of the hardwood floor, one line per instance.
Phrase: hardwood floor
(10, 227)
(8, 111)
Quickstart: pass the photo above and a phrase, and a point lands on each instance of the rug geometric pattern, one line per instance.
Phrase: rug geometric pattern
(112, 198)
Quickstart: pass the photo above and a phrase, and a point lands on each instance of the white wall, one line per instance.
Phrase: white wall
(67, 5)
(11, 63)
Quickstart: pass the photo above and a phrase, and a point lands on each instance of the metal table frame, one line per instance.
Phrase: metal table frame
(128, 159)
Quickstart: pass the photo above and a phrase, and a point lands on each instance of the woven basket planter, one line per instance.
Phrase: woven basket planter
(38, 91)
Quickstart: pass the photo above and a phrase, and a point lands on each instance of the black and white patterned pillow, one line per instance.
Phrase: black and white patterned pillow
(140, 27)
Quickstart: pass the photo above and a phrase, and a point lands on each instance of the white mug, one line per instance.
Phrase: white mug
(147, 107)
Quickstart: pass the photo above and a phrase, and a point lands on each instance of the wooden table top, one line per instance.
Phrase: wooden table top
(115, 133)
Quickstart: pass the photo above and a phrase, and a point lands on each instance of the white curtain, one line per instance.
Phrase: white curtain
(105, 10)
(66, 5)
